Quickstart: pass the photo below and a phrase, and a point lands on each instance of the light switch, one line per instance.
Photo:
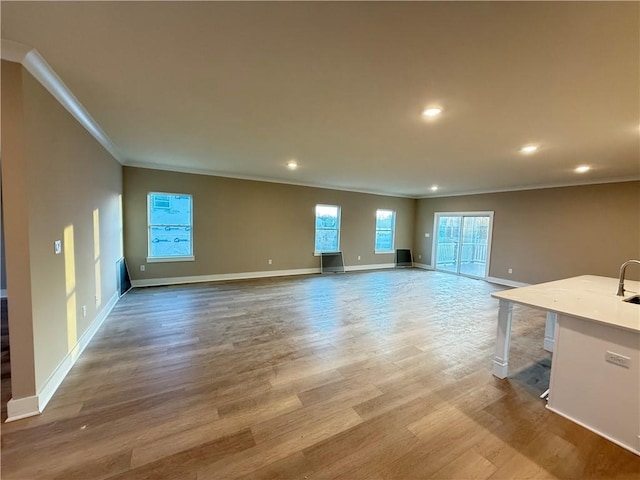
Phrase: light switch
(57, 247)
(427, 235)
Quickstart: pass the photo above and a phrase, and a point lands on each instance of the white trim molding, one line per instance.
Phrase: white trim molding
(221, 277)
(13, 51)
(29, 406)
(423, 266)
(55, 379)
(505, 282)
(375, 266)
(496, 280)
(170, 259)
(37, 66)
(577, 183)
(256, 178)
(19, 408)
(631, 448)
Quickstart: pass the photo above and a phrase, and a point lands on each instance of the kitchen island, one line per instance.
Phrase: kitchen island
(595, 338)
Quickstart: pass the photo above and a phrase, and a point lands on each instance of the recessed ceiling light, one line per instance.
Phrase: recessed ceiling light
(582, 169)
(529, 149)
(431, 112)
(292, 164)
(434, 188)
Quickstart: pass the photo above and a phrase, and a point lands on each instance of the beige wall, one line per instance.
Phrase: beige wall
(55, 176)
(550, 233)
(541, 234)
(240, 224)
(16, 222)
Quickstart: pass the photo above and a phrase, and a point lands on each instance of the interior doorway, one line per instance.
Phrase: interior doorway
(463, 242)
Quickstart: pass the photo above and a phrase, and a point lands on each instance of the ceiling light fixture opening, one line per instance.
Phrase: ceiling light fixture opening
(431, 112)
(292, 164)
(528, 149)
(582, 169)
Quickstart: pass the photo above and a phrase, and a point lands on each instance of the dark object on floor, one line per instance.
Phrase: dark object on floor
(331, 262)
(122, 273)
(404, 257)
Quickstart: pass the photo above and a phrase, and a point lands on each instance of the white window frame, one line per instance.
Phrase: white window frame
(315, 227)
(393, 232)
(185, 258)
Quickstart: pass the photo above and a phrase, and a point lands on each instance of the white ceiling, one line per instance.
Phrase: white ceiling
(237, 89)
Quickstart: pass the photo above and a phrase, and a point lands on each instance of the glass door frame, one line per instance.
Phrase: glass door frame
(462, 215)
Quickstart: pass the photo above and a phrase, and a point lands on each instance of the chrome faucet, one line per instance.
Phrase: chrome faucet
(621, 279)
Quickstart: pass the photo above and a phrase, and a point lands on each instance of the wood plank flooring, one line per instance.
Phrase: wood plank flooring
(376, 375)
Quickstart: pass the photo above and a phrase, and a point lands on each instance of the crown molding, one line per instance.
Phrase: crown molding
(633, 178)
(13, 51)
(255, 178)
(37, 66)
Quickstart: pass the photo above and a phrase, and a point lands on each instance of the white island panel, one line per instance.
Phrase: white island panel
(585, 388)
(591, 321)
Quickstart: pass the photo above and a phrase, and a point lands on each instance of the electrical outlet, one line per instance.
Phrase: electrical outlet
(358, 257)
(84, 310)
(510, 271)
(143, 268)
(419, 256)
(617, 359)
(270, 261)
(57, 247)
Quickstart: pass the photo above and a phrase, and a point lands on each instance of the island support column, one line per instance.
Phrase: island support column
(550, 331)
(503, 339)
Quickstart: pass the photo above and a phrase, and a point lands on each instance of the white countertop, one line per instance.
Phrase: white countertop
(588, 297)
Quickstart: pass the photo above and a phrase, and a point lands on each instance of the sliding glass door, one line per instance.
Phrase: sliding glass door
(462, 243)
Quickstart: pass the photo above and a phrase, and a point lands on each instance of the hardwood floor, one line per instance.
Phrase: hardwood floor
(377, 375)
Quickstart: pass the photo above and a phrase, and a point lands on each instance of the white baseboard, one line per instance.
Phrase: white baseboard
(55, 379)
(548, 344)
(156, 282)
(3, 293)
(423, 266)
(499, 281)
(29, 406)
(505, 282)
(631, 448)
(375, 266)
(24, 407)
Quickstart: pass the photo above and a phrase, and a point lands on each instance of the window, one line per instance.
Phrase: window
(385, 231)
(327, 228)
(169, 221)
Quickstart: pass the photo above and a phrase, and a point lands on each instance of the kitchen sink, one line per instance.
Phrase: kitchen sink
(635, 299)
